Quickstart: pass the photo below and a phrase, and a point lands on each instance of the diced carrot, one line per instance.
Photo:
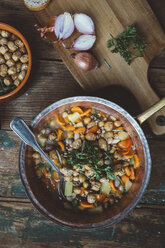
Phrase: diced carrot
(55, 161)
(137, 161)
(112, 185)
(55, 175)
(78, 120)
(124, 178)
(100, 197)
(59, 134)
(92, 129)
(132, 176)
(106, 199)
(77, 109)
(60, 120)
(127, 171)
(61, 144)
(128, 153)
(82, 190)
(102, 114)
(45, 172)
(86, 205)
(86, 112)
(66, 119)
(80, 130)
(69, 128)
(125, 144)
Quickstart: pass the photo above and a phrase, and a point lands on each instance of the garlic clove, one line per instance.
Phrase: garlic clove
(64, 26)
(84, 23)
(84, 42)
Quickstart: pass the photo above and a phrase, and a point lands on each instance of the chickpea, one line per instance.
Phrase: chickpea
(90, 136)
(113, 118)
(13, 37)
(118, 193)
(82, 178)
(91, 198)
(19, 66)
(2, 60)
(3, 41)
(87, 120)
(7, 81)
(101, 124)
(77, 190)
(68, 178)
(8, 55)
(12, 46)
(102, 144)
(66, 171)
(16, 56)
(22, 49)
(117, 123)
(42, 139)
(12, 70)
(21, 75)
(89, 173)
(108, 126)
(10, 62)
(75, 173)
(19, 43)
(52, 136)
(85, 184)
(123, 135)
(24, 67)
(37, 161)
(108, 135)
(77, 144)
(91, 124)
(14, 76)
(24, 58)
(5, 34)
(53, 155)
(17, 82)
(3, 49)
(3, 70)
(96, 186)
(36, 155)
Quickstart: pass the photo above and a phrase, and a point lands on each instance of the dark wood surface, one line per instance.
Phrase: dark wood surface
(21, 225)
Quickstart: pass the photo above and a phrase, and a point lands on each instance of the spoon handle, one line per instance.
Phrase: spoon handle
(23, 131)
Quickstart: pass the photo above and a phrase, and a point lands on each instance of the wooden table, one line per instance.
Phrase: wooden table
(21, 225)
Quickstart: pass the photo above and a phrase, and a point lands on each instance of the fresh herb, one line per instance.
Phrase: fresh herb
(101, 171)
(83, 145)
(96, 117)
(59, 157)
(120, 180)
(51, 171)
(129, 44)
(75, 202)
(42, 166)
(106, 63)
(117, 130)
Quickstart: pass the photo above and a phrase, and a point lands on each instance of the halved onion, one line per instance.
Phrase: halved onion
(84, 23)
(64, 26)
(84, 42)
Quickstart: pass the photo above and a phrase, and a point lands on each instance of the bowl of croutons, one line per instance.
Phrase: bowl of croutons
(15, 61)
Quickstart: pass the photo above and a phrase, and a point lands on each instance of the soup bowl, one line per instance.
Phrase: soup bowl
(48, 202)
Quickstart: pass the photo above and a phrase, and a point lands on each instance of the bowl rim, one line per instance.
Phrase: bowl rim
(130, 207)
(13, 30)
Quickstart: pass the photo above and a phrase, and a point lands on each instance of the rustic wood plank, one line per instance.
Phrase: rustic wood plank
(28, 228)
(11, 185)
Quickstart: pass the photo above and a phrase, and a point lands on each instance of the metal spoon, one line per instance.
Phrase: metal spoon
(22, 130)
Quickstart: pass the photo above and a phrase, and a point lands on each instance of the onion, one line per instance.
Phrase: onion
(85, 61)
(64, 26)
(84, 23)
(84, 42)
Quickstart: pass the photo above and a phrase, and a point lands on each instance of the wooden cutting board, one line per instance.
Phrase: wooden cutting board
(112, 16)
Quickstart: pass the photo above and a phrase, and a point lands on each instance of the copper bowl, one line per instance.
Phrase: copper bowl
(48, 203)
(12, 30)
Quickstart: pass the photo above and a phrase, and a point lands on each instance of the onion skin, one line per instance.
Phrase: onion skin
(85, 61)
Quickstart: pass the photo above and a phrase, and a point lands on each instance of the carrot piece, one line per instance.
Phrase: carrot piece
(82, 190)
(61, 144)
(60, 120)
(129, 153)
(127, 171)
(86, 112)
(125, 144)
(124, 178)
(55, 161)
(66, 119)
(45, 172)
(59, 134)
(86, 205)
(137, 161)
(118, 128)
(55, 175)
(102, 114)
(80, 130)
(132, 176)
(78, 120)
(69, 128)
(92, 130)
(77, 109)
(112, 185)
(100, 197)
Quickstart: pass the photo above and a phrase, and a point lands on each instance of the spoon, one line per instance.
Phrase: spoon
(25, 134)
